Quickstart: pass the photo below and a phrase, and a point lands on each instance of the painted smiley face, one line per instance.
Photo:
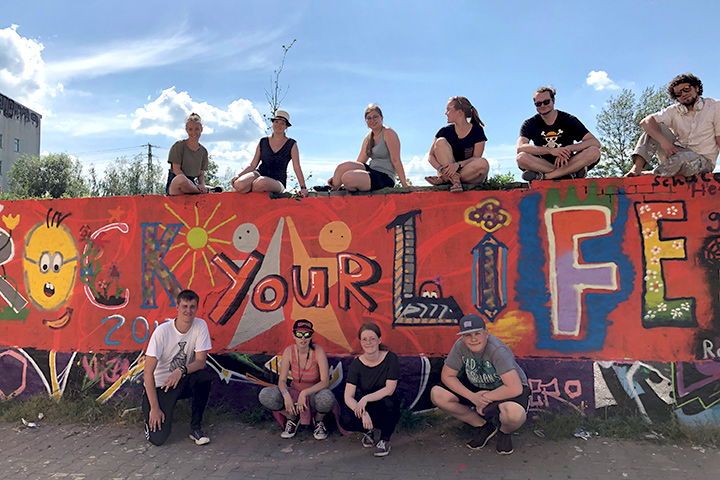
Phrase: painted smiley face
(50, 264)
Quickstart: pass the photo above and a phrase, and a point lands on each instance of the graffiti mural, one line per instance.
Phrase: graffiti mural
(571, 275)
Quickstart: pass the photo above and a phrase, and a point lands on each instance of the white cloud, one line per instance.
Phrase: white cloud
(240, 122)
(22, 70)
(600, 81)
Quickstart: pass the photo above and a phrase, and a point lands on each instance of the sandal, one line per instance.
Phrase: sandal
(436, 180)
(456, 183)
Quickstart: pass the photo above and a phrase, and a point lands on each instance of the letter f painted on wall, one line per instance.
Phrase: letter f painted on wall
(567, 227)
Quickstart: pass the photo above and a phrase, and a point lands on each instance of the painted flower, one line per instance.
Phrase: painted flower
(676, 313)
(655, 250)
(649, 315)
(10, 221)
(685, 306)
(648, 232)
(677, 244)
(644, 208)
(655, 287)
(672, 210)
(654, 261)
(662, 307)
(656, 215)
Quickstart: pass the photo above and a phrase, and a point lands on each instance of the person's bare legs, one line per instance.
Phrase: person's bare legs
(449, 403)
(357, 181)
(181, 185)
(577, 162)
(475, 171)
(336, 181)
(245, 182)
(267, 184)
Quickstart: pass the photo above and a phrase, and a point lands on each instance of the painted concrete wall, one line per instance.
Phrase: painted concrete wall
(607, 290)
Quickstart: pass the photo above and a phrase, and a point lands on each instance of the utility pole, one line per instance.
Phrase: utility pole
(149, 157)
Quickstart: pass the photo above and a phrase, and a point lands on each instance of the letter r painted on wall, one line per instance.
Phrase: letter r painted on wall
(569, 276)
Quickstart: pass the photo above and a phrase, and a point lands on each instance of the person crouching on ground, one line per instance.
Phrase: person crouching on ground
(382, 147)
(481, 377)
(370, 391)
(175, 368)
(308, 393)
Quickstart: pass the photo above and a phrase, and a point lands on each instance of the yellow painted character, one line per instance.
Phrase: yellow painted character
(50, 264)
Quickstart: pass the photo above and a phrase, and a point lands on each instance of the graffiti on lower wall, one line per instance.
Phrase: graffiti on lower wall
(589, 271)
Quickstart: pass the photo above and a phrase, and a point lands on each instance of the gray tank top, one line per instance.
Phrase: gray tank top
(380, 158)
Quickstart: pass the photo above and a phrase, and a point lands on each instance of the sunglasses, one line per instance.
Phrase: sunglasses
(544, 102)
(303, 334)
(682, 90)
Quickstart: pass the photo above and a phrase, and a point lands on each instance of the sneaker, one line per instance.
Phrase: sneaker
(529, 176)
(504, 444)
(322, 188)
(199, 437)
(320, 432)
(290, 429)
(382, 448)
(368, 440)
(482, 435)
(215, 189)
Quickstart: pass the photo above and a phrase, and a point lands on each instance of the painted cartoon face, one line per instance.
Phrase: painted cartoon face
(50, 263)
(246, 238)
(335, 237)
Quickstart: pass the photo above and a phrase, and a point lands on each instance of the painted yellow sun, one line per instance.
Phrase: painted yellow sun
(198, 239)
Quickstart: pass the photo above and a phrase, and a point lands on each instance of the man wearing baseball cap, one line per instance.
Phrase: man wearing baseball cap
(481, 379)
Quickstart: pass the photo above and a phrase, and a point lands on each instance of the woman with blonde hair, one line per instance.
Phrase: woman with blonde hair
(456, 152)
(382, 147)
(188, 162)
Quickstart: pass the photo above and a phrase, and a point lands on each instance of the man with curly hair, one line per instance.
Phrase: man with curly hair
(685, 136)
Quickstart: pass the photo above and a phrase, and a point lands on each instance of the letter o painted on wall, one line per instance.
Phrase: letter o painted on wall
(270, 293)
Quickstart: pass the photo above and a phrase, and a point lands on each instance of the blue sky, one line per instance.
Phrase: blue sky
(111, 76)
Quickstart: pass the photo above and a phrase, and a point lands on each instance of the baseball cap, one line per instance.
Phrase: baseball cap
(471, 323)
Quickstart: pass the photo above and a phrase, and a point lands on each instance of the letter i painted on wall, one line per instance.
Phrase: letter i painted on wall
(657, 309)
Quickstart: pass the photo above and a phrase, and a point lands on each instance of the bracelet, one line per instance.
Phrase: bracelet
(303, 186)
(285, 391)
(183, 369)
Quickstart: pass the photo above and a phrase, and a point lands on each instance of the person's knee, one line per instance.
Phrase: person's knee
(523, 160)
(271, 398)
(324, 401)
(440, 397)
(512, 414)
(593, 153)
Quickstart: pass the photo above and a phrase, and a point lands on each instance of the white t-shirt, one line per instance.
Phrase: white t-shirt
(172, 348)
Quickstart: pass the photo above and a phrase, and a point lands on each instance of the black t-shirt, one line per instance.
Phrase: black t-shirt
(462, 148)
(371, 379)
(566, 130)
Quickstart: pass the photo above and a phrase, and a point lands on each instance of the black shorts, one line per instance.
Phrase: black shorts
(172, 175)
(493, 408)
(379, 179)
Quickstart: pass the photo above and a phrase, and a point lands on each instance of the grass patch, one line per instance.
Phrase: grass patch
(83, 410)
(626, 425)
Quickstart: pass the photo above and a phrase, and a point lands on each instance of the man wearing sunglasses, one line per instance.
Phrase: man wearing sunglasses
(685, 136)
(561, 145)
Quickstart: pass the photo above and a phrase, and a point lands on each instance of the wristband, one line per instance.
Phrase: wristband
(183, 369)
(303, 186)
(284, 392)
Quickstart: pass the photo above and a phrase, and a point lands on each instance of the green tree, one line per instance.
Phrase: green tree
(55, 175)
(618, 124)
(125, 176)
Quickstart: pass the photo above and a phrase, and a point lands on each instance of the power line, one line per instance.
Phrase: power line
(110, 150)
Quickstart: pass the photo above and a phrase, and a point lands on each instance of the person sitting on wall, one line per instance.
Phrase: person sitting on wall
(685, 136)
(382, 147)
(370, 391)
(174, 369)
(481, 377)
(188, 162)
(456, 152)
(562, 146)
(268, 170)
(308, 391)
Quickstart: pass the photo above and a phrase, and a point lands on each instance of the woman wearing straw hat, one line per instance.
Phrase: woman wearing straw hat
(268, 170)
